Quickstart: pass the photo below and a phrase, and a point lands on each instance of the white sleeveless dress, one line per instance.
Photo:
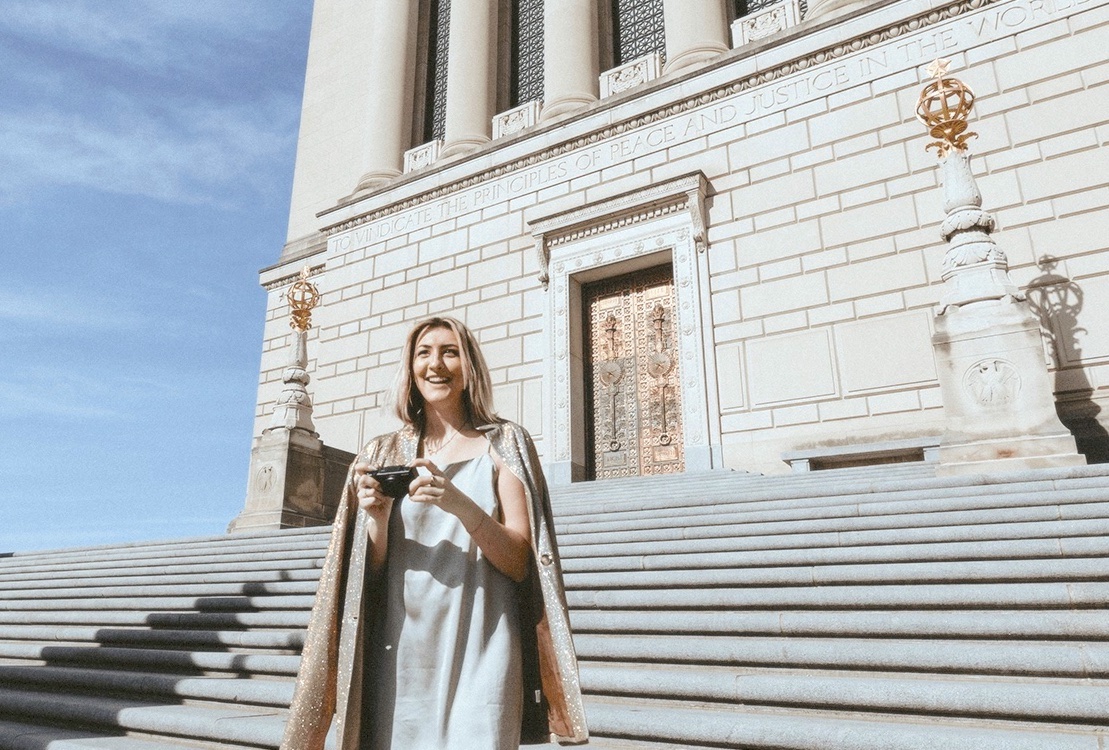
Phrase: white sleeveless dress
(443, 669)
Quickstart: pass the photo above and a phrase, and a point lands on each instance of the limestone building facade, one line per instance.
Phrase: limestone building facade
(690, 234)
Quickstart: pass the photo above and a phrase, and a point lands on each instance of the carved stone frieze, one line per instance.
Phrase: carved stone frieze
(516, 119)
(629, 75)
(422, 156)
(766, 22)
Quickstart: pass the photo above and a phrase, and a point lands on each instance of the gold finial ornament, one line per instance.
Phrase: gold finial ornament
(303, 296)
(943, 107)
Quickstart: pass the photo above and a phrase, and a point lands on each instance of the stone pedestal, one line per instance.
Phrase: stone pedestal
(998, 399)
(286, 484)
(997, 393)
(295, 480)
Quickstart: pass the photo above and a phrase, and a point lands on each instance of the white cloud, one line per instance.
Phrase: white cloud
(68, 310)
(165, 119)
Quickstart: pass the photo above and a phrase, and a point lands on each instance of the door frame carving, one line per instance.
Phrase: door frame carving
(662, 223)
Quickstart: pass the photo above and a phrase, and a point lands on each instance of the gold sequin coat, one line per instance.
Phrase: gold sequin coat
(329, 684)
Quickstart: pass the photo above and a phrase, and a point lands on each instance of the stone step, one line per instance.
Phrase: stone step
(854, 522)
(969, 571)
(1027, 699)
(828, 506)
(163, 603)
(228, 555)
(679, 490)
(167, 547)
(150, 659)
(173, 620)
(307, 566)
(17, 735)
(149, 685)
(768, 728)
(283, 640)
(1039, 623)
(11, 598)
(1000, 530)
(1000, 549)
(1077, 659)
(957, 595)
(255, 726)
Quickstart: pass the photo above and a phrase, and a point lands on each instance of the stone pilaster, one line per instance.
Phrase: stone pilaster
(570, 57)
(696, 32)
(389, 101)
(471, 76)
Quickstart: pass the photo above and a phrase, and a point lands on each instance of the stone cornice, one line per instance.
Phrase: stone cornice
(685, 193)
(860, 42)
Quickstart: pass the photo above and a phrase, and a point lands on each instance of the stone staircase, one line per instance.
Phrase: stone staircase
(853, 609)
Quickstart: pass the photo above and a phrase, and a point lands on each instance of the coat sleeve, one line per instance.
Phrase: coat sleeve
(314, 698)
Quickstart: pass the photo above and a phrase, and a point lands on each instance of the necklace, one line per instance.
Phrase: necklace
(430, 451)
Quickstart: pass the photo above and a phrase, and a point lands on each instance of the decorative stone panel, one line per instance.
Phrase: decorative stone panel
(516, 119)
(422, 156)
(765, 22)
(628, 76)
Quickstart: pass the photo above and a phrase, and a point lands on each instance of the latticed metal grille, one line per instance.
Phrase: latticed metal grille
(637, 29)
(527, 51)
(438, 48)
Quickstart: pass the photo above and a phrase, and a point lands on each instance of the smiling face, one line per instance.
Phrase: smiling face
(438, 369)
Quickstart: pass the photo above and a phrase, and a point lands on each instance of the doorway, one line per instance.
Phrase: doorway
(632, 375)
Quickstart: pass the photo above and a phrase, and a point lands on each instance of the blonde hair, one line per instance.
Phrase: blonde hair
(477, 396)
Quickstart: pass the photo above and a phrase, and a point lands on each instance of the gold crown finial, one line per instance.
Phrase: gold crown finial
(944, 106)
(303, 296)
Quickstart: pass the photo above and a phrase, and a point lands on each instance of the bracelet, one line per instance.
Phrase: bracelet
(484, 518)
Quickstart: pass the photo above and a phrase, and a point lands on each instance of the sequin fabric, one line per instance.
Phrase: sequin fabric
(329, 682)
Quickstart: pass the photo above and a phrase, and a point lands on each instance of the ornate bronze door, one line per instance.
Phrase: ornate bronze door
(634, 425)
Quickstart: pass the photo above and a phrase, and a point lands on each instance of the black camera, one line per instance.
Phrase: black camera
(394, 480)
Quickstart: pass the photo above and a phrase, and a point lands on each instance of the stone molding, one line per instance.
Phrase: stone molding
(861, 42)
(422, 156)
(288, 279)
(681, 194)
(629, 75)
(766, 22)
(517, 119)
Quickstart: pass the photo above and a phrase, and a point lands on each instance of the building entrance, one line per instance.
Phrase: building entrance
(632, 377)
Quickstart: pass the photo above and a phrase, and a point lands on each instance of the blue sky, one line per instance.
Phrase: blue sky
(146, 159)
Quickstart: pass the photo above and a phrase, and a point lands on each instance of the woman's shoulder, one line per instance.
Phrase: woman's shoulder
(504, 429)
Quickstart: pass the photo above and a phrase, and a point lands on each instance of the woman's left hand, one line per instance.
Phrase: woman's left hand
(435, 488)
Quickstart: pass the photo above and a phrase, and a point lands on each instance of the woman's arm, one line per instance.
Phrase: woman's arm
(378, 507)
(506, 545)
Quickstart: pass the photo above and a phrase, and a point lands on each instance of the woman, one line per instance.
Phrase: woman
(434, 626)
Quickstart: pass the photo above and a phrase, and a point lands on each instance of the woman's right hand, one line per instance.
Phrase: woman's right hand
(368, 491)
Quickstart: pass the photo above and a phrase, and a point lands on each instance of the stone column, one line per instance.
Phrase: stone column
(570, 57)
(696, 32)
(471, 76)
(389, 103)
